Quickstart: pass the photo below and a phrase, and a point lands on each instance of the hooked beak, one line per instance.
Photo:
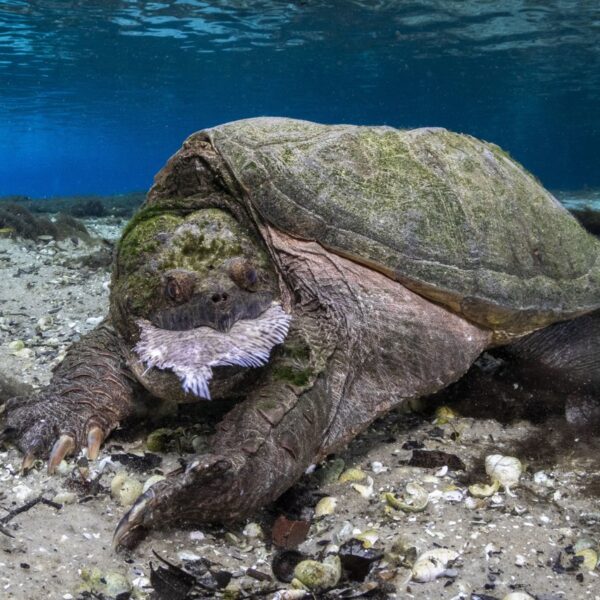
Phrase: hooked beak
(219, 310)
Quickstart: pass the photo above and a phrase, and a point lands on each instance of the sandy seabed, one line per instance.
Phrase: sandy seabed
(526, 542)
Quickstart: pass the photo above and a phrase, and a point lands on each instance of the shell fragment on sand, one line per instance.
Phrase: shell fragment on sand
(191, 354)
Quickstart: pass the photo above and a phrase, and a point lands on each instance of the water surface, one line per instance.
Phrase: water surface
(96, 94)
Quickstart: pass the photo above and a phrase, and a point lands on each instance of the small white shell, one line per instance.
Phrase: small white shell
(432, 564)
(325, 506)
(344, 533)
(518, 596)
(24, 353)
(506, 470)
(290, 594)
(483, 490)
(253, 531)
(151, 481)
(352, 474)
(590, 558)
(44, 323)
(16, 345)
(368, 537)
(543, 479)
(65, 498)
(416, 498)
(116, 584)
(452, 494)
(366, 491)
(319, 575)
(497, 500)
(124, 489)
(489, 550)
(472, 504)
(22, 492)
(378, 467)
(187, 555)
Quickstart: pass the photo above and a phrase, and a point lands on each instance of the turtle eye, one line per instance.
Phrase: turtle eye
(173, 290)
(243, 274)
(179, 285)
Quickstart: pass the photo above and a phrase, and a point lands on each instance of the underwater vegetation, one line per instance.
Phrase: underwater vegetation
(589, 218)
(89, 208)
(18, 221)
(119, 205)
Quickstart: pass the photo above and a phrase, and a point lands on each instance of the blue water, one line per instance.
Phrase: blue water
(96, 94)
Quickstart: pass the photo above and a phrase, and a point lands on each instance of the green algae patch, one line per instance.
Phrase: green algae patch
(298, 350)
(142, 239)
(207, 238)
(295, 376)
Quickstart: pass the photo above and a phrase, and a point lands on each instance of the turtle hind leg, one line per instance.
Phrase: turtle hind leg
(553, 371)
(570, 350)
(563, 360)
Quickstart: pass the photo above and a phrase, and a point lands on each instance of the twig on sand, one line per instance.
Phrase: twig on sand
(28, 505)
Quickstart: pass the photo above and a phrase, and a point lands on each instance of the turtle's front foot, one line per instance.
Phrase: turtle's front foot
(57, 423)
(260, 449)
(90, 393)
(209, 490)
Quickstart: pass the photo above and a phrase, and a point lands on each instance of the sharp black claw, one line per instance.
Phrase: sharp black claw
(131, 529)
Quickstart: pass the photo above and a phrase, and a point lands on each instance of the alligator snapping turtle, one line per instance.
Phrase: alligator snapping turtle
(358, 267)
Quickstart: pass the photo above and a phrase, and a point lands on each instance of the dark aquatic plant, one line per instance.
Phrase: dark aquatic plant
(18, 221)
(589, 218)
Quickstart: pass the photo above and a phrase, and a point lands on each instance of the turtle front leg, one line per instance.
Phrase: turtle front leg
(260, 449)
(90, 393)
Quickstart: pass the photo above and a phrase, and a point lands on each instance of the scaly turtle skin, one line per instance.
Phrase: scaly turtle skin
(358, 267)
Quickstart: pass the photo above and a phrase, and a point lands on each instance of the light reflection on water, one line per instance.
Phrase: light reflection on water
(96, 94)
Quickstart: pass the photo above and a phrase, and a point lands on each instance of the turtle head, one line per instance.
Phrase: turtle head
(192, 293)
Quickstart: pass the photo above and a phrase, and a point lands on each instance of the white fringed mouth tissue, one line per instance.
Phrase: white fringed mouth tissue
(192, 353)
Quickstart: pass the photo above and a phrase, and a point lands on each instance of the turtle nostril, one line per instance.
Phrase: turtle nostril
(216, 298)
(224, 296)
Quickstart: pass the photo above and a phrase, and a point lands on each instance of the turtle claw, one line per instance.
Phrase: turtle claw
(53, 427)
(131, 529)
(62, 447)
(27, 462)
(197, 495)
(95, 438)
